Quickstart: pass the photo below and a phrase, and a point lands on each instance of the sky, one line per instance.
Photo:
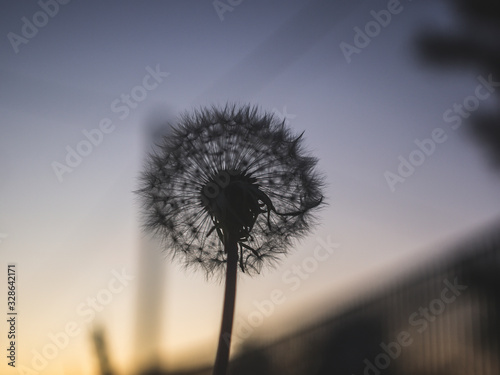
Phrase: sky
(109, 72)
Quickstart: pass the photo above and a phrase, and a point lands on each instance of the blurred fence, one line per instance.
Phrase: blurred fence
(443, 319)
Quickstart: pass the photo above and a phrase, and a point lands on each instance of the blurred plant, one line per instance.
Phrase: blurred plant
(230, 187)
(474, 42)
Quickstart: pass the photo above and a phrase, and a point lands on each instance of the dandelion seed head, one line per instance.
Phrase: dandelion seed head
(231, 170)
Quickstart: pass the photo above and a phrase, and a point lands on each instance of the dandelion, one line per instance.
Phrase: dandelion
(230, 188)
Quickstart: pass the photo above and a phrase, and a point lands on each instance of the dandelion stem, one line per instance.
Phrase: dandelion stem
(222, 357)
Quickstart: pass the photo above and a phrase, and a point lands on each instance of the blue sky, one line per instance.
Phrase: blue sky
(68, 235)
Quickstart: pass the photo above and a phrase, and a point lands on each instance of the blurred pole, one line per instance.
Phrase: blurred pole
(98, 337)
(151, 271)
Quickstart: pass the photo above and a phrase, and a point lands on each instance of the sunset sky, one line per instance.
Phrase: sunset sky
(69, 217)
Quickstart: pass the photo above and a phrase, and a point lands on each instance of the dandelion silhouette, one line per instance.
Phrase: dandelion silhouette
(230, 187)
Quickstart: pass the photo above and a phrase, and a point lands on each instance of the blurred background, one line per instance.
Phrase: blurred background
(399, 101)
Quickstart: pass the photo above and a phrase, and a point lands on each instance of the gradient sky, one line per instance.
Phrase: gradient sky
(68, 236)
